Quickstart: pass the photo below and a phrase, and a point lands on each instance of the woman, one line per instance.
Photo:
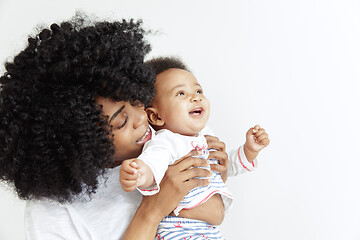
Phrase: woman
(72, 109)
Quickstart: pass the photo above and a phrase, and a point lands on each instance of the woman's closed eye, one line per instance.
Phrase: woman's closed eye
(120, 118)
(123, 120)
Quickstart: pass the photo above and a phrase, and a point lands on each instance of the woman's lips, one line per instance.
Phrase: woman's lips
(145, 138)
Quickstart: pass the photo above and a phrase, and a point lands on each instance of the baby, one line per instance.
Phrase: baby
(179, 113)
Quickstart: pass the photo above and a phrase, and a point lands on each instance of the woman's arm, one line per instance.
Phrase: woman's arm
(177, 182)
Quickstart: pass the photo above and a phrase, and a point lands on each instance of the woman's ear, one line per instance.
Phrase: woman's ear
(154, 117)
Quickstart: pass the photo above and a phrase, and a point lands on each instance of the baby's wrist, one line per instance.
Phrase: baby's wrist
(250, 154)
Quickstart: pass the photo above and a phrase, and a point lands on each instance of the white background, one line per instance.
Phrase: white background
(291, 66)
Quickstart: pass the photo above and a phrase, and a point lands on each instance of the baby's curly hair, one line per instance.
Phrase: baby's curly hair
(161, 64)
(54, 138)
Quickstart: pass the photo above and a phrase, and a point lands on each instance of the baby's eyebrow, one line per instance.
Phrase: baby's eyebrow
(177, 86)
(117, 113)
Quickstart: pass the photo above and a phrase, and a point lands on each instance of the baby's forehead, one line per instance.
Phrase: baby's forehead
(174, 77)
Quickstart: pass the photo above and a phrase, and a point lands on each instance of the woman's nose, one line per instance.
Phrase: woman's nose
(140, 116)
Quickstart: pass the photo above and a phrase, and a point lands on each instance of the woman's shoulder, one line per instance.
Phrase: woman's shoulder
(89, 215)
(43, 213)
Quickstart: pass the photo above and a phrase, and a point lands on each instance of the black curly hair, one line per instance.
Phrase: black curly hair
(54, 138)
(161, 64)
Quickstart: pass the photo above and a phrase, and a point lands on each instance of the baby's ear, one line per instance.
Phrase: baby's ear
(154, 117)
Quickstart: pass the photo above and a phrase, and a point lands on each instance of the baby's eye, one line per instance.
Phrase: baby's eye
(181, 93)
(199, 91)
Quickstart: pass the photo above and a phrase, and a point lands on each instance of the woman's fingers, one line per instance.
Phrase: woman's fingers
(179, 179)
(194, 173)
(189, 162)
(188, 168)
(221, 157)
(215, 143)
(196, 182)
(222, 169)
(178, 182)
(223, 161)
(190, 154)
(218, 168)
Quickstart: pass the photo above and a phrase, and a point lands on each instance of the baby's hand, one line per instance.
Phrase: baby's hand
(256, 139)
(130, 174)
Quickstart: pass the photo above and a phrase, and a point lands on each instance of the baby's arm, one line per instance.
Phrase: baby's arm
(256, 140)
(243, 159)
(135, 173)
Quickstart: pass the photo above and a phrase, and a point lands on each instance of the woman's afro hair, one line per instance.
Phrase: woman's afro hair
(161, 64)
(55, 142)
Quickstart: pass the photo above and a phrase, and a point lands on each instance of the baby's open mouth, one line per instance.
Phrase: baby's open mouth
(197, 111)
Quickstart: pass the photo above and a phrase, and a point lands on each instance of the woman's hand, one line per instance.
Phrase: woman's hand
(215, 203)
(220, 155)
(177, 182)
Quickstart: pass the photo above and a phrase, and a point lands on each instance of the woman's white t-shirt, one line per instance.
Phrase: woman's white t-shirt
(105, 215)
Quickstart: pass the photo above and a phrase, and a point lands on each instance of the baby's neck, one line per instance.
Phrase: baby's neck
(185, 134)
(193, 134)
(190, 135)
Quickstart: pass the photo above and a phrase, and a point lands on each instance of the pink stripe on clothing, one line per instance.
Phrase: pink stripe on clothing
(208, 196)
(242, 161)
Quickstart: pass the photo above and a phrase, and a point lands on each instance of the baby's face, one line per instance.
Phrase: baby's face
(180, 102)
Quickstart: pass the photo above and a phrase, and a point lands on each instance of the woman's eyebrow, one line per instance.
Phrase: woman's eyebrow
(117, 113)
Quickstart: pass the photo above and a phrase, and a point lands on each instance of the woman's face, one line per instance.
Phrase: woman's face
(129, 127)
